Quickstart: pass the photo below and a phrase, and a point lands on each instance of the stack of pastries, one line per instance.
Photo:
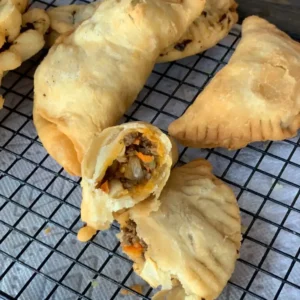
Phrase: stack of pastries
(181, 227)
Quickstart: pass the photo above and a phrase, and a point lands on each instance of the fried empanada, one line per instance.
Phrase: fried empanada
(254, 98)
(29, 42)
(206, 31)
(35, 23)
(21, 36)
(10, 21)
(91, 77)
(21, 5)
(37, 19)
(66, 18)
(192, 240)
(125, 165)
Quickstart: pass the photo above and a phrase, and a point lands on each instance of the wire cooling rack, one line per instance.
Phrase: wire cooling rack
(40, 257)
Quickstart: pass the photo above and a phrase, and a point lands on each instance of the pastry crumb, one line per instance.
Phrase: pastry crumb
(244, 229)
(278, 186)
(136, 287)
(94, 283)
(47, 230)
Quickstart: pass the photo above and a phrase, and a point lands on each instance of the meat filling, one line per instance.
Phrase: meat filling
(131, 242)
(136, 166)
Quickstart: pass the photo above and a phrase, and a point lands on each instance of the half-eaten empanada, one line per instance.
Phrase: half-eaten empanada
(254, 98)
(91, 77)
(192, 240)
(125, 165)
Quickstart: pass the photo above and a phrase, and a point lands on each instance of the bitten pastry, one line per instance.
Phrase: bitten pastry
(206, 31)
(254, 98)
(90, 77)
(191, 243)
(125, 165)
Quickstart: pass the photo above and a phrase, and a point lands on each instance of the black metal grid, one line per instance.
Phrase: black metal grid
(255, 174)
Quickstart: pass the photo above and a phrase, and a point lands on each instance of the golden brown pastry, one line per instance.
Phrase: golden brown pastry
(21, 36)
(254, 98)
(35, 23)
(192, 241)
(21, 5)
(176, 293)
(91, 76)
(206, 31)
(125, 165)
(66, 18)
(10, 21)
(37, 19)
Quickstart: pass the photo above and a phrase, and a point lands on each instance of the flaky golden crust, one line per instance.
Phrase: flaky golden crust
(206, 31)
(194, 236)
(10, 21)
(91, 76)
(97, 206)
(21, 5)
(21, 36)
(65, 18)
(176, 293)
(254, 98)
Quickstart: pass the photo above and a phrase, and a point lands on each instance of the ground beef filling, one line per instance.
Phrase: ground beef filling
(136, 166)
(130, 238)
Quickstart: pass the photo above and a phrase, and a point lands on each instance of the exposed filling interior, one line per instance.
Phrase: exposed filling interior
(131, 243)
(134, 166)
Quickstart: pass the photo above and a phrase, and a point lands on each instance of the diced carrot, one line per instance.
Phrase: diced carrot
(138, 246)
(135, 250)
(136, 142)
(125, 292)
(145, 158)
(136, 287)
(104, 187)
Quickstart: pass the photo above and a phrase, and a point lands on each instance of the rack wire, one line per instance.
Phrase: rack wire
(40, 257)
